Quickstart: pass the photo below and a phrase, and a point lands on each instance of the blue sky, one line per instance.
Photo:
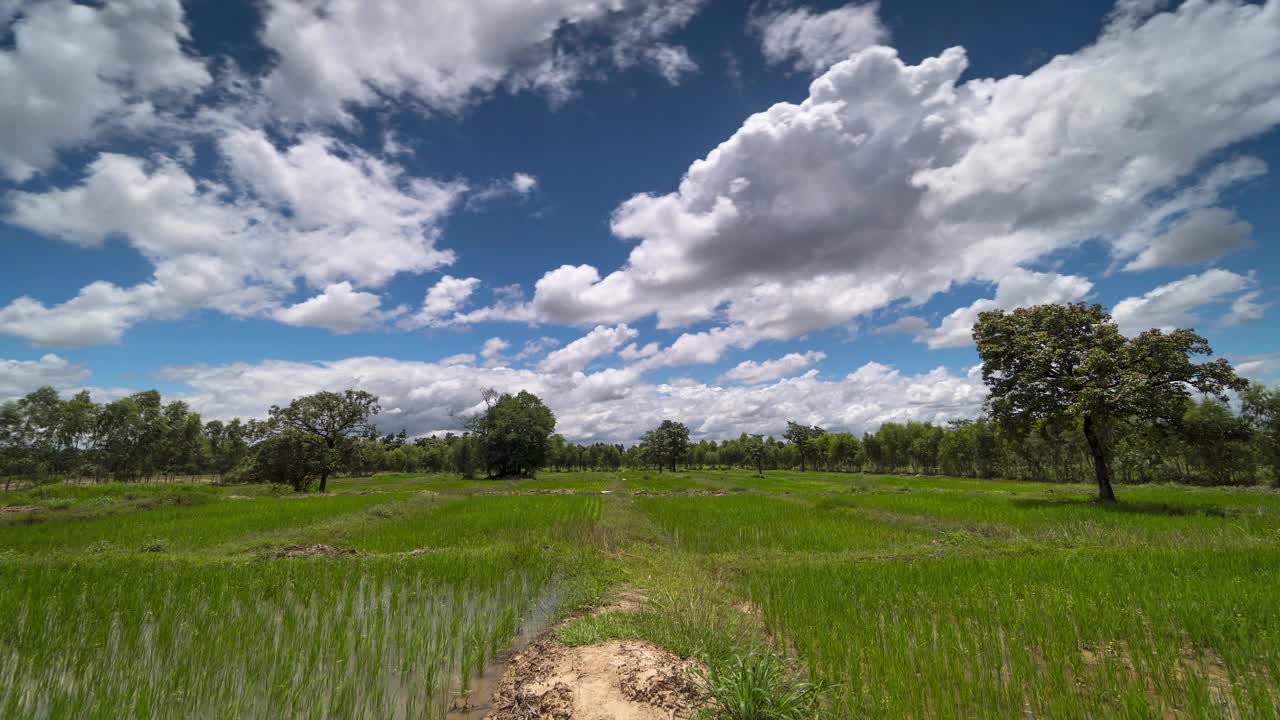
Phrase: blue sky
(728, 212)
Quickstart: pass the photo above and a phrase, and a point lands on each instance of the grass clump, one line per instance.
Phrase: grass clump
(756, 687)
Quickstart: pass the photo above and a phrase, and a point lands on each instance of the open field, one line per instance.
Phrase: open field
(903, 596)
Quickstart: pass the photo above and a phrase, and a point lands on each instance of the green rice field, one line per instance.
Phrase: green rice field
(919, 597)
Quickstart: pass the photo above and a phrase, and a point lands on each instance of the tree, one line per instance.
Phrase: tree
(514, 432)
(802, 436)
(666, 444)
(327, 422)
(754, 448)
(290, 458)
(1260, 408)
(1059, 363)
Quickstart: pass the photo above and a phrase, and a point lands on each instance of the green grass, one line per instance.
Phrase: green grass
(310, 639)
(755, 523)
(898, 596)
(185, 528)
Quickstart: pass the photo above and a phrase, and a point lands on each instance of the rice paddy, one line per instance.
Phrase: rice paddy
(898, 596)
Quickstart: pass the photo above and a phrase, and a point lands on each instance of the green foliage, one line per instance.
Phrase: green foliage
(757, 687)
(513, 433)
(803, 437)
(292, 459)
(1057, 364)
(666, 445)
(328, 422)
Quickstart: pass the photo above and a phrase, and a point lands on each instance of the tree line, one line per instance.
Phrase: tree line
(1070, 397)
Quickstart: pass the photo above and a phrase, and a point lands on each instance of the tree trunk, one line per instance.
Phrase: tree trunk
(1100, 467)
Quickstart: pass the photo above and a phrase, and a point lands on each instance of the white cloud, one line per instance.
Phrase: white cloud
(75, 70)
(446, 54)
(613, 405)
(340, 308)
(535, 347)
(813, 41)
(1173, 304)
(1020, 288)
(1201, 236)
(523, 183)
(459, 359)
(518, 185)
(316, 210)
(672, 62)
(1258, 367)
(895, 182)
(446, 297)
(492, 351)
(637, 352)
(19, 377)
(751, 372)
(1246, 308)
(577, 355)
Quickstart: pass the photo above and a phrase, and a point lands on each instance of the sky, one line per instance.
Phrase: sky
(723, 212)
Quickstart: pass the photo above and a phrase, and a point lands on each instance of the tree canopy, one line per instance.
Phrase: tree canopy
(666, 444)
(328, 422)
(1061, 363)
(513, 431)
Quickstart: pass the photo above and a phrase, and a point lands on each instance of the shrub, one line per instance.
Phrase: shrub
(756, 687)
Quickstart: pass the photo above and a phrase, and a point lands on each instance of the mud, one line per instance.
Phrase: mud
(615, 680)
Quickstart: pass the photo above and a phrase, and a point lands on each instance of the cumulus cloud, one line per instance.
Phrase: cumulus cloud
(1020, 288)
(19, 377)
(445, 298)
(895, 182)
(750, 372)
(1173, 304)
(492, 351)
(316, 210)
(332, 54)
(813, 41)
(75, 70)
(577, 355)
(612, 405)
(340, 308)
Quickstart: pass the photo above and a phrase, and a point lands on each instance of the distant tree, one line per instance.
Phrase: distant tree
(292, 458)
(327, 422)
(802, 436)
(754, 448)
(464, 455)
(1058, 363)
(514, 433)
(1260, 407)
(666, 444)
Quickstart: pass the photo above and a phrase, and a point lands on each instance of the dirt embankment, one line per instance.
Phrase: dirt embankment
(615, 680)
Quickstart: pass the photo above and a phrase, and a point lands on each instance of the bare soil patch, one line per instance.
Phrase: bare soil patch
(6, 509)
(615, 680)
(311, 551)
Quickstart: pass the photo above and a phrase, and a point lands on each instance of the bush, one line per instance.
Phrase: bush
(756, 687)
